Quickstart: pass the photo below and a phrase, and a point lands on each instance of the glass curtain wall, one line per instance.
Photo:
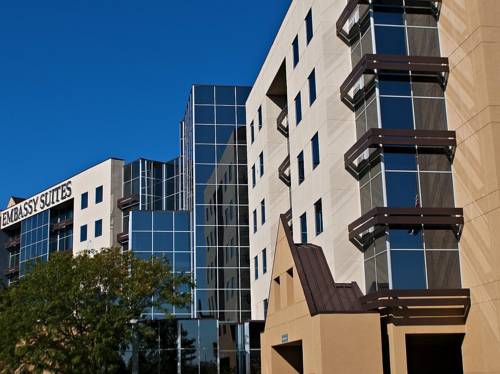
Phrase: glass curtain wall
(404, 177)
(34, 241)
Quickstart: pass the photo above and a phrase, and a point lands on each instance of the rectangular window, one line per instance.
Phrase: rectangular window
(315, 150)
(263, 211)
(261, 163)
(312, 87)
(264, 261)
(295, 48)
(98, 195)
(309, 26)
(254, 177)
(266, 306)
(300, 166)
(303, 228)
(255, 220)
(252, 132)
(259, 117)
(84, 200)
(256, 267)
(298, 109)
(83, 233)
(318, 216)
(98, 228)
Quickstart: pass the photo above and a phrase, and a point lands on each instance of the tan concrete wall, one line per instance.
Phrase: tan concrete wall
(470, 37)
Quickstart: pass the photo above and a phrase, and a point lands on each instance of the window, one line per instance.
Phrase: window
(98, 195)
(300, 166)
(256, 267)
(312, 87)
(84, 200)
(318, 216)
(295, 48)
(298, 109)
(309, 26)
(259, 117)
(255, 220)
(98, 228)
(266, 307)
(83, 233)
(315, 150)
(303, 228)
(252, 133)
(263, 211)
(254, 181)
(264, 261)
(261, 163)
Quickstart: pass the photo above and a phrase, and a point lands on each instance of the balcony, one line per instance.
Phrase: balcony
(284, 171)
(122, 237)
(12, 271)
(420, 307)
(370, 64)
(378, 138)
(128, 201)
(13, 243)
(58, 226)
(347, 31)
(282, 122)
(361, 231)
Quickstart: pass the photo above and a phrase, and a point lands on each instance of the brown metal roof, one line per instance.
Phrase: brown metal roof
(322, 294)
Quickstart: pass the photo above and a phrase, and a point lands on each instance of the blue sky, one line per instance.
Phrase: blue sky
(81, 81)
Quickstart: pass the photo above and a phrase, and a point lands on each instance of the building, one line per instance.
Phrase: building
(370, 127)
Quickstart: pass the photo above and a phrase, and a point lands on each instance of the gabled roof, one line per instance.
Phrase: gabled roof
(322, 294)
(14, 200)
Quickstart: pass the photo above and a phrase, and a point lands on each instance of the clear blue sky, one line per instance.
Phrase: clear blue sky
(81, 81)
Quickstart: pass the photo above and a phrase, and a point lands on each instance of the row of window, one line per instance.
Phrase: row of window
(311, 82)
(262, 215)
(261, 169)
(315, 158)
(97, 230)
(84, 199)
(318, 221)
(264, 264)
(309, 35)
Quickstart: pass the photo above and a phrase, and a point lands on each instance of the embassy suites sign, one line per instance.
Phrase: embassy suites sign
(36, 204)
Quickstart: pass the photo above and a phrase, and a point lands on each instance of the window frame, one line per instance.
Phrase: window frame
(318, 216)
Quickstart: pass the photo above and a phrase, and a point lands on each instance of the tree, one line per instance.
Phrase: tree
(76, 314)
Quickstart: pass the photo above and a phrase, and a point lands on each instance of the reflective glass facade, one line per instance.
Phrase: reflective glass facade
(34, 240)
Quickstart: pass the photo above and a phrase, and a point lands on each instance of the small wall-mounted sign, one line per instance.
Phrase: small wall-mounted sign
(284, 338)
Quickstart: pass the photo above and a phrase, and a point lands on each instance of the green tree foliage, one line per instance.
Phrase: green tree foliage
(76, 314)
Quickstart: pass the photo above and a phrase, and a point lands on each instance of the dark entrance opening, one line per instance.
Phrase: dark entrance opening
(434, 353)
(288, 358)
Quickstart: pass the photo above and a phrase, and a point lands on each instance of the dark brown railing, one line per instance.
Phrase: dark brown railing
(375, 64)
(284, 171)
(12, 271)
(347, 36)
(122, 237)
(420, 307)
(13, 243)
(377, 138)
(61, 225)
(282, 122)
(443, 218)
(128, 201)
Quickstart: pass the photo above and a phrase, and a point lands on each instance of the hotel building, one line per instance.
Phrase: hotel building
(372, 188)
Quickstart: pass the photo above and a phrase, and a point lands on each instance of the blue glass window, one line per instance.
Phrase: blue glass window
(303, 228)
(182, 221)
(295, 49)
(259, 118)
(318, 216)
(390, 40)
(141, 220)
(255, 220)
(406, 239)
(204, 134)
(182, 240)
(84, 201)
(298, 109)
(315, 150)
(225, 95)
(395, 85)
(264, 261)
(389, 15)
(254, 177)
(402, 189)
(225, 134)
(309, 26)
(142, 241)
(263, 211)
(252, 133)
(241, 115)
(256, 267)
(182, 262)
(400, 158)
(205, 153)
(162, 221)
(162, 241)
(204, 94)
(204, 114)
(205, 174)
(396, 113)
(83, 233)
(98, 195)
(300, 167)
(312, 87)
(242, 95)
(261, 163)
(98, 228)
(408, 269)
(225, 115)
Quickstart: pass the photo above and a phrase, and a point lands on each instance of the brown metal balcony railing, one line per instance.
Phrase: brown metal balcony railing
(61, 225)
(378, 138)
(420, 307)
(13, 243)
(128, 201)
(442, 218)
(122, 237)
(12, 271)
(282, 122)
(284, 171)
(348, 36)
(420, 66)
